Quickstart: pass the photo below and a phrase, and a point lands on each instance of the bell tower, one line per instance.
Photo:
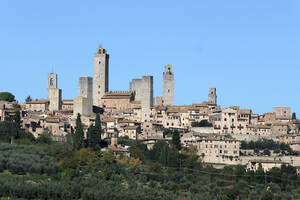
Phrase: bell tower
(52, 82)
(212, 96)
(54, 94)
(101, 75)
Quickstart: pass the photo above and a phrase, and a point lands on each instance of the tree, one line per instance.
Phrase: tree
(7, 96)
(79, 134)
(44, 138)
(93, 140)
(294, 116)
(176, 140)
(94, 135)
(28, 99)
(267, 152)
(17, 119)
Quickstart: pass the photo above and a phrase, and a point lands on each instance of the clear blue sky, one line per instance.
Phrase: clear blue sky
(249, 50)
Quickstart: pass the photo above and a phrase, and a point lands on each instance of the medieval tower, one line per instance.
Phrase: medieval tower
(168, 86)
(52, 83)
(212, 96)
(54, 94)
(101, 59)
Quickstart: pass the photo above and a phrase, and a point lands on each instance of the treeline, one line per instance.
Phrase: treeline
(263, 144)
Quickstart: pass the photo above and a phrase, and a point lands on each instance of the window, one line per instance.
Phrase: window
(51, 81)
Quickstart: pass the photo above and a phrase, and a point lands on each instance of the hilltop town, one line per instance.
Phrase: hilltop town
(220, 135)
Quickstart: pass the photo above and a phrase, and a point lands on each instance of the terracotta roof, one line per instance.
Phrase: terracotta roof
(40, 101)
(109, 119)
(127, 121)
(118, 95)
(260, 127)
(245, 111)
(67, 101)
(131, 127)
(280, 124)
(118, 149)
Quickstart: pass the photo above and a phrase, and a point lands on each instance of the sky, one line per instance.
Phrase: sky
(249, 50)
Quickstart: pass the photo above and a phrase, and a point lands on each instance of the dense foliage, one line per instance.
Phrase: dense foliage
(7, 96)
(265, 144)
(10, 130)
(21, 159)
(202, 123)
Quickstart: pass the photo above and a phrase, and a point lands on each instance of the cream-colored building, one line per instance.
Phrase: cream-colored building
(118, 101)
(218, 150)
(41, 105)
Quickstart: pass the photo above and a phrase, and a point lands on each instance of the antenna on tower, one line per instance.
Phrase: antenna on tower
(52, 71)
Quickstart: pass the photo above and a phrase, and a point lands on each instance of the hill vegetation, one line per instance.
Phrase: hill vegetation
(78, 169)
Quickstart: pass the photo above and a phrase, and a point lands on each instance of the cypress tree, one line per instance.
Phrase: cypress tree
(98, 127)
(294, 116)
(176, 140)
(94, 134)
(79, 134)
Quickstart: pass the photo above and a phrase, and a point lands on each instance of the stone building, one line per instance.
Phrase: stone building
(83, 104)
(143, 91)
(212, 96)
(117, 101)
(218, 150)
(282, 113)
(101, 75)
(41, 105)
(54, 94)
(168, 86)
(67, 105)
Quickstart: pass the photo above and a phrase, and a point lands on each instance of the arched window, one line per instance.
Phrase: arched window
(51, 81)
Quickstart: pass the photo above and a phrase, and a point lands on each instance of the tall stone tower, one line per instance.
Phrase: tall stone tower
(54, 94)
(83, 104)
(101, 73)
(212, 96)
(168, 86)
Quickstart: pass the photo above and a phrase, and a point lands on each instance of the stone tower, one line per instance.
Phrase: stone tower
(52, 83)
(168, 86)
(101, 59)
(83, 104)
(54, 94)
(212, 96)
(143, 90)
